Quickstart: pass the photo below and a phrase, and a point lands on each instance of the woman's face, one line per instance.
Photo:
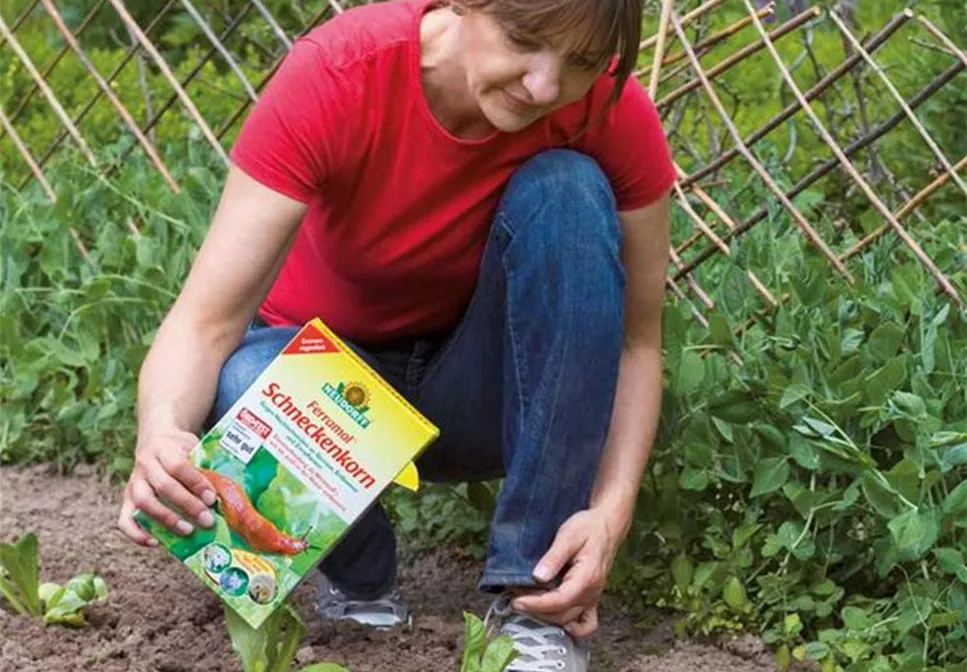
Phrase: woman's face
(517, 78)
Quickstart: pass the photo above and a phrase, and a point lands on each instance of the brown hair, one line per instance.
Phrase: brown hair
(611, 26)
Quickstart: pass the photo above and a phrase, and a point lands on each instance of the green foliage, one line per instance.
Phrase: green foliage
(20, 578)
(75, 326)
(20, 586)
(454, 515)
(481, 654)
(816, 494)
(271, 647)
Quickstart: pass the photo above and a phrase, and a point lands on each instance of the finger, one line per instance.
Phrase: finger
(175, 493)
(566, 596)
(566, 545)
(189, 476)
(145, 499)
(130, 527)
(577, 588)
(562, 618)
(585, 625)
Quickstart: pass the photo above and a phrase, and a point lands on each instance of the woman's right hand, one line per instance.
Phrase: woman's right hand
(162, 470)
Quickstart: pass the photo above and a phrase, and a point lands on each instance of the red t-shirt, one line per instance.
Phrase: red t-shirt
(399, 208)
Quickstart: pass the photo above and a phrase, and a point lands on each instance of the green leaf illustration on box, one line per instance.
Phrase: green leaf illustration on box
(298, 511)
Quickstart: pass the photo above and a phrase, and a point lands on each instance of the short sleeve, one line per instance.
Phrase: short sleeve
(630, 145)
(291, 140)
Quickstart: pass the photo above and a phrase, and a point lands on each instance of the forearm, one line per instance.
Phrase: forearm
(179, 377)
(634, 424)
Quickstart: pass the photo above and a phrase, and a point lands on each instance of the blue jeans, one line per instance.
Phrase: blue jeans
(523, 387)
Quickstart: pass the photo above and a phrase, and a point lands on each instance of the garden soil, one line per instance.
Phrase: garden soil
(159, 618)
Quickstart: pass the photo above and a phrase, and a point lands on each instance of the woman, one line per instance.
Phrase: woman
(475, 195)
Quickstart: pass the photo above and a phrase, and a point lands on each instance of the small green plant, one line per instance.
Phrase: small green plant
(21, 588)
(481, 654)
(271, 647)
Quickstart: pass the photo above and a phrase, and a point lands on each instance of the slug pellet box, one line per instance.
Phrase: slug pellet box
(295, 462)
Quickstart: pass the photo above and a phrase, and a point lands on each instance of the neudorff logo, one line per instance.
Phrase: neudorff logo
(352, 398)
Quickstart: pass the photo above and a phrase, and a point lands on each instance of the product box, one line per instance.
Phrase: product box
(295, 462)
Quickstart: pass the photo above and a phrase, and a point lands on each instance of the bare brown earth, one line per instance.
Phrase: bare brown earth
(158, 617)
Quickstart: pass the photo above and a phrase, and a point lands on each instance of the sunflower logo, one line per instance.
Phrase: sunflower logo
(356, 394)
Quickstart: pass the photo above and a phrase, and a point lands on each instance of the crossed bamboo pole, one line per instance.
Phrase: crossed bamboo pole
(687, 186)
(48, 93)
(899, 98)
(111, 96)
(820, 170)
(86, 109)
(706, 45)
(881, 207)
(797, 216)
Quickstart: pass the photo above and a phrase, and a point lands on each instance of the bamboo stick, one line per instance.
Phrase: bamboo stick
(273, 24)
(716, 240)
(874, 43)
(759, 169)
(25, 99)
(48, 93)
(240, 110)
(740, 55)
(79, 117)
(899, 98)
(20, 19)
(699, 11)
(220, 48)
(111, 96)
(821, 170)
(166, 71)
(857, 178)
(705, 45)
(160, 112)
(666, 10)
(25, 153)
(907, 207)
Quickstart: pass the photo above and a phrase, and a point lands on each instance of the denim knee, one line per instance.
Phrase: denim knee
(253, 355)
(562, 193)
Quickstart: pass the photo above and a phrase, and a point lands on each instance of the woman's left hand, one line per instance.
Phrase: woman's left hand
(586, 546)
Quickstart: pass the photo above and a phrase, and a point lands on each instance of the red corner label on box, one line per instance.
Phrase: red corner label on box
(310, 341)
(255, 423)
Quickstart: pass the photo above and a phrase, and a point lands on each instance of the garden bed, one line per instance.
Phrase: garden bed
(157, 616)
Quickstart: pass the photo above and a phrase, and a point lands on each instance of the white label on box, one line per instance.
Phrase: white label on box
(244, 436)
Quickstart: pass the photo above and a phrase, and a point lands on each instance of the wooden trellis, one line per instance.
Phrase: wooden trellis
(676, 77)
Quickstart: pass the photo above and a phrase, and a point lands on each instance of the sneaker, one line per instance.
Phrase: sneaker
(540, 646)
(385, 611)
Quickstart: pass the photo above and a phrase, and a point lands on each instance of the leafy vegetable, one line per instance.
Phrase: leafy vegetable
(481, 655)
(19, 578)
(20, 586)
(271, 647)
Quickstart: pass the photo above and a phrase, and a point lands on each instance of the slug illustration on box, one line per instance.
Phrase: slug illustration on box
(295, 462)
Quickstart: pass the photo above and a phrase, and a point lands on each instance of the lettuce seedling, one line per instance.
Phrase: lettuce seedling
(271, 647)
(21, 588)
(481, 655)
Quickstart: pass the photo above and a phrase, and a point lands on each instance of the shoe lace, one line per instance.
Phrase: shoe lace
(539, 645)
